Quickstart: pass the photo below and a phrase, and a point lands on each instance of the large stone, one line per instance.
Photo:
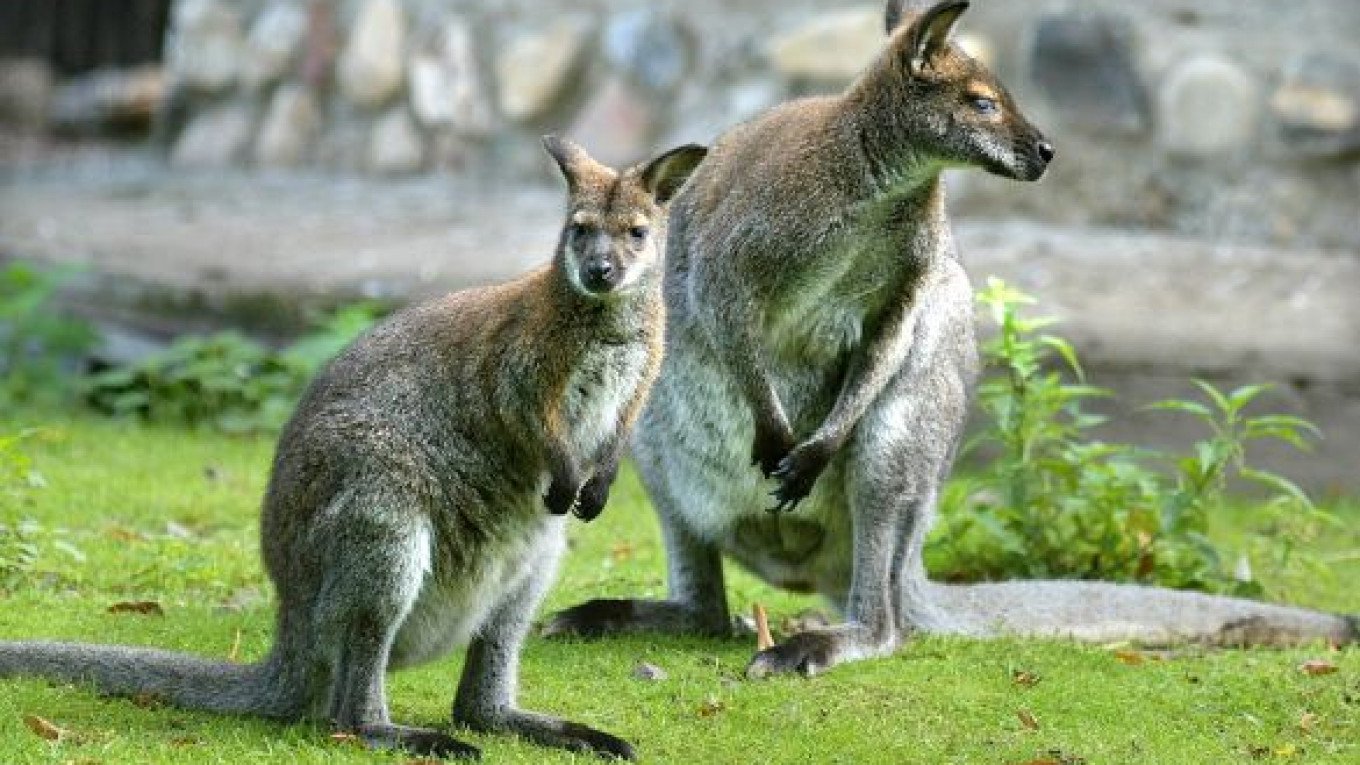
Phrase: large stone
(1208, 106)
(1318, 104)
(372, 66)
(273, 43)
(205, 43)
(218, 137)
(535, 69)
(1083, 63)
(616, 125)
(25, 93)
(832, 48)
(289, 129)
(396, 145)
(650, 46)
(446, 89)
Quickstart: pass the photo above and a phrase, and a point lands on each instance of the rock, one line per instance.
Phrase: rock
(649, 672)
(1208, 106)
(534, 71)
(833, 48)
(25, 93)
(273, 44)
(290, 126)
(107, 98)
(446, 89)
(371, 67)
(396, 146)
(216, 138)
(1318, 104)
(650, 46)
(616, 125)
(205, 44)
(1082, 61)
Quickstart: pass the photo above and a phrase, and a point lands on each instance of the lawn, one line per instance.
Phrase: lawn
(131, 513)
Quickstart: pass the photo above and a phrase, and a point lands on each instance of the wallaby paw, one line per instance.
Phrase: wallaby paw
(592, 619)
(561, 499)
(769, 448)
(592, 499)
(583, 738)
(798, 472)
(422, 742)
(806, 654)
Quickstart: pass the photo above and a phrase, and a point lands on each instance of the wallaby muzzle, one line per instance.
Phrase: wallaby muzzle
(599, 274)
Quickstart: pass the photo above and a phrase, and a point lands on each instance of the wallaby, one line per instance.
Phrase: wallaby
(821, 326)
(405, 512)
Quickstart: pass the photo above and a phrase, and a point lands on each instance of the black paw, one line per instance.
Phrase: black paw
(421, 742)
(592, 499)
(798, 472)
(592, 619)
(770, 447)
(806, 653)
(561, 498)
(599, 742)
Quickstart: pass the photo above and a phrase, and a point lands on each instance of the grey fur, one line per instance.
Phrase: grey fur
(820, 324)
(404, 515)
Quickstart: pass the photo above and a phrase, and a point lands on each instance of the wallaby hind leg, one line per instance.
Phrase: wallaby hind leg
(697, 602)
(487, 690)
(378, 562)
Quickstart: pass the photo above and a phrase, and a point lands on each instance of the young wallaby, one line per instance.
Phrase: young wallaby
(821, 326)
(405, 513)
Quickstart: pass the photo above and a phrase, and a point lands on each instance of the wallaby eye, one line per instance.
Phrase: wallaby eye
(984, 105)
(638, 234)
(577, 230)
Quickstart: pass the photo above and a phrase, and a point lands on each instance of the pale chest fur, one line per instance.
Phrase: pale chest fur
(598, 393)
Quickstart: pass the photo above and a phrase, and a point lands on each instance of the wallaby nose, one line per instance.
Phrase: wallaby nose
(1046, 151)
(598, 274)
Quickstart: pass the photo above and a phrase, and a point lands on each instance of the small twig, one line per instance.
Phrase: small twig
(234, 655)
(763, 639)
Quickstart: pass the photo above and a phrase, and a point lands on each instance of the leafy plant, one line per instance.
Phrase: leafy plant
(226, 381)
(37, 343)
(1053, 502)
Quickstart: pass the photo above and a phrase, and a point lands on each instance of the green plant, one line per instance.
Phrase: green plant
(1053, 502)
(38, 345)
(226, 381)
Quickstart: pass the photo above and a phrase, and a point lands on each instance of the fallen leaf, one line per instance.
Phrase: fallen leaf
(711, 706)
(621, 551)
(1041, 761)
(125, 535)
(763, 638)
(1131, 658)
(1307, 722)
(1286, 751)
(1317, 667)
(44, 729)
(342, 737)
(1027, 719)
(1024, 678)
(183, 741)
(147, 700)
(144, 607)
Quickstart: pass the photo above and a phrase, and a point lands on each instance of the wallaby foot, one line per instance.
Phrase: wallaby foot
(422, 742)
(815, 651)
(611, 616)
(546, 731)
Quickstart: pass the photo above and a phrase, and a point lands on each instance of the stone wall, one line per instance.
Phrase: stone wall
(1232, 119)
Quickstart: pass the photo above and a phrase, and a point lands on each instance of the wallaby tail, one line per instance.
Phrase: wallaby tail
(1104, 612)
(177, 679)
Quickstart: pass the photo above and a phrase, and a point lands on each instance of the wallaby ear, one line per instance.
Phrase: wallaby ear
(571, 158)
(663, 176)
(930, 32)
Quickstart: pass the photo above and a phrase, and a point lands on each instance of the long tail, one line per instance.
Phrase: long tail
(1103, 612)
(177, 679)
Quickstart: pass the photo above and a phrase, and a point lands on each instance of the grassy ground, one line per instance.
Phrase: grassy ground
(140, 514)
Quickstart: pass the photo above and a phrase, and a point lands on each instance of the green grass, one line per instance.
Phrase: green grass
(170, 516)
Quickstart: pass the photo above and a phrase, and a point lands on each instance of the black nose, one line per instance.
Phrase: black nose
(599, 271)
(1046, 151)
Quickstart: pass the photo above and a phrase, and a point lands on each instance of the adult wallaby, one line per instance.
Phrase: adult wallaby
(820, 325)
(405, 513)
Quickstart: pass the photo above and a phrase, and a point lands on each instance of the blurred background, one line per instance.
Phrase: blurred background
(195, 165)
